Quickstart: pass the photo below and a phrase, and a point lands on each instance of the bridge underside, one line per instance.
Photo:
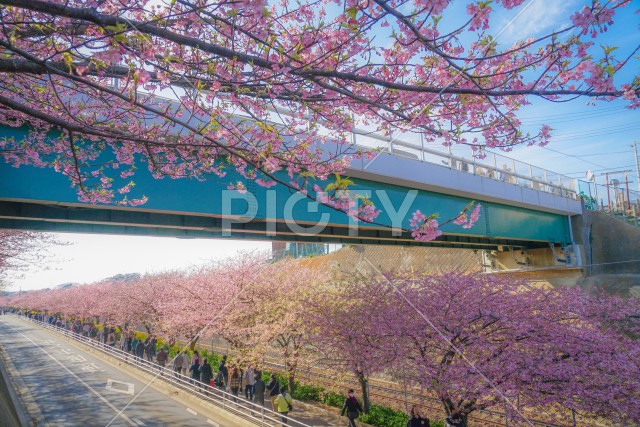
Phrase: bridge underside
(34, 198)
(67, 217)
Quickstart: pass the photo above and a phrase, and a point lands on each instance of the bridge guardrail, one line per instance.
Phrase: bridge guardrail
(252, 412)
(489, 164)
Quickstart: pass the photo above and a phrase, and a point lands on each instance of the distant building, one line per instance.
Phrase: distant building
(281, 250)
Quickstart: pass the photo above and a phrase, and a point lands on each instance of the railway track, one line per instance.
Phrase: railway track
(391, 394)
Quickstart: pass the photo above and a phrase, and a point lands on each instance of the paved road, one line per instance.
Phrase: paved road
(74, 388)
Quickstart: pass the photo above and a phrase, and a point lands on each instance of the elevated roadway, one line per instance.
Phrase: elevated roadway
(517, 213)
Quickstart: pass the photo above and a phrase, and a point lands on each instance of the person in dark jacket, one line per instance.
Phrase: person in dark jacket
(222, 368)
(455, 420)
(416, 420)
(140, 351)
(352, 408)
(206, 373)
(162, 358)
(195, 372)
(273, 388)
(258, 390)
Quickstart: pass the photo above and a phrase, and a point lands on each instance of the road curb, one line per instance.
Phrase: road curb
(28, 411)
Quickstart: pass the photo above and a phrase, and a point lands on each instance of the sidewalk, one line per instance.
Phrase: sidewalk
(307, 414)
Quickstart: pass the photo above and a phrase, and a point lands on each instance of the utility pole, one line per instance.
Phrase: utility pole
(635, 151)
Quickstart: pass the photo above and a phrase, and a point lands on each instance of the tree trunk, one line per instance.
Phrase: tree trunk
(291, 373)
(366, 404)
(192, 343)
(291, 381)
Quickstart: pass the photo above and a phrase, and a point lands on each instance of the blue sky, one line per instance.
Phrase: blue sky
(586, 137)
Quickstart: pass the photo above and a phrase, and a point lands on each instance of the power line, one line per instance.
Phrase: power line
(575, 113)
(597, 170)
(555, 119)
(604, 154)
(595, 132)
(574, 156)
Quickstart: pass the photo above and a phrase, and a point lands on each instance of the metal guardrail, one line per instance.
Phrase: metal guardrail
(493, 166)
(252, 412)
(488, 165)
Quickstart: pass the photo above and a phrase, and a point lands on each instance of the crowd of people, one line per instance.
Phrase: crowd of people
(231, 379)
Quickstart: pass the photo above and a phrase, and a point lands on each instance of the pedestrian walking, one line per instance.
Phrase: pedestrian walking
(206, 373)
(248, 379)
(194, 370)
(162, 358)
(455, 420)
(272, 388)
(111, 338)
(196, 358)
(416, 420)
(258, 390)
(140, 351)
(351, 407)
(177, 363)
(284, 404)
(234, 382)
(150, 347)
(130, 337)
(220, 382)
(124, 337)
(222, 367)
(185, 363)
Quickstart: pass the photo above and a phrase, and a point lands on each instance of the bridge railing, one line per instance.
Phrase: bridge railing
(249, 411)
(487, 164)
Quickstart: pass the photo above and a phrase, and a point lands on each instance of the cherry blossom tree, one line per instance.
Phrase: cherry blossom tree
(197, 304)
(137, 302)
(259, 88)
(21, 250)
(478, 341)
(352, 328)
(270, 318)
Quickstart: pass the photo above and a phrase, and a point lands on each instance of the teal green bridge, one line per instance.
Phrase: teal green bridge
(521, 208)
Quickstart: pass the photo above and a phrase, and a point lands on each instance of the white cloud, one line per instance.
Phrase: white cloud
(534, 17)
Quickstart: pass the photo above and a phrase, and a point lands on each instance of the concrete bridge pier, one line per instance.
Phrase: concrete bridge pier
(605, 255)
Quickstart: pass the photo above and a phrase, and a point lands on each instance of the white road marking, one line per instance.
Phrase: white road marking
(80, 380)
(140, 423)
(192, 411)
(213, 423)
(129, 387)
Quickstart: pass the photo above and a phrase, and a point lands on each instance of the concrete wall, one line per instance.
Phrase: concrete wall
(555, 277)
(534, 258)
(612, 246)
(612, 253)
(8, 413)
